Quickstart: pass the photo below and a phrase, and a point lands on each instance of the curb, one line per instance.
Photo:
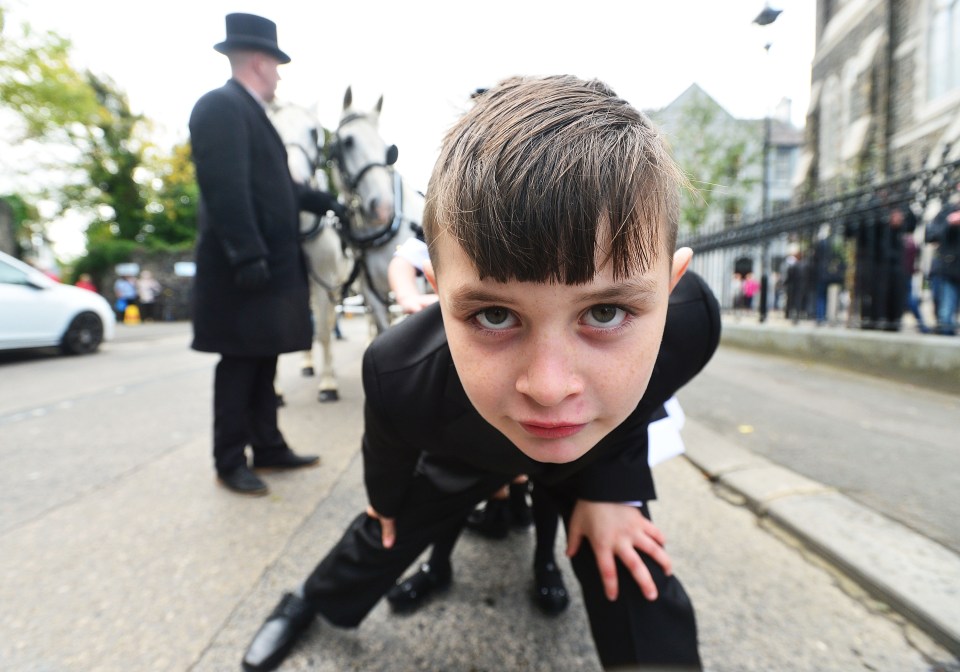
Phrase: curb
(917, 577)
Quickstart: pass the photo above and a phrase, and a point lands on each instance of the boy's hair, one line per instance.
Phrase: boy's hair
(543, 171)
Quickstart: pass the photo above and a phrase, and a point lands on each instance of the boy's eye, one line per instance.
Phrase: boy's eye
(496, 318)
(604, 316)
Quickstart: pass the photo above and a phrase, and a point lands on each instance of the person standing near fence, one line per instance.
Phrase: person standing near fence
(944, 232)
(148, 289)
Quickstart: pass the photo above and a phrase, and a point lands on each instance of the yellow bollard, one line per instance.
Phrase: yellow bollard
(131, 315)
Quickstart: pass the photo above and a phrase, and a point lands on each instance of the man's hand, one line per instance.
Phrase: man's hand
(252, 274)
(414, 303)
(388, 527)
(618, 531)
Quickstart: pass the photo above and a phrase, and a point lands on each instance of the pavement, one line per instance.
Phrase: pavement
(919, 578)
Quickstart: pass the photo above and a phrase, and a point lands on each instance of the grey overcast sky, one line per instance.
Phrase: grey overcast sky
(425, 57)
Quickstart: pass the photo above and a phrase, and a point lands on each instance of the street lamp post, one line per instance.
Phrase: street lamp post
(765, 18)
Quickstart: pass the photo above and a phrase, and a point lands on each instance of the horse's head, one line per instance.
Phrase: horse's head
(364, 165)
(303, 137)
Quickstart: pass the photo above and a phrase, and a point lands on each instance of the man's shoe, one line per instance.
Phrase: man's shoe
(275, 460)
(492, 521)
(243, 481)
(412, 592)
(278, 634)
(549, 592)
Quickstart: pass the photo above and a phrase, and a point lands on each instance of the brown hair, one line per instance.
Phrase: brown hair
(540, 172)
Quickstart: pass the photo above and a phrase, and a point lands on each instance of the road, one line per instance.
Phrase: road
(891, 446)
(119, 552)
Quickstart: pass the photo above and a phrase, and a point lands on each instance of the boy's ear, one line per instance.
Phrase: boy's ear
(681, 260)
(429, 274)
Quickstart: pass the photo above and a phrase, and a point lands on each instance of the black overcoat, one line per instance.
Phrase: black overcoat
(249, 208)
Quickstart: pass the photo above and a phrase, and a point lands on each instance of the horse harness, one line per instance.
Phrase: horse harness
(361, 242)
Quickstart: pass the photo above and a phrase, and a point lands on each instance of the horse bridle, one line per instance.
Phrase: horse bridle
(378, 237)
(384, 234)
(335, 154)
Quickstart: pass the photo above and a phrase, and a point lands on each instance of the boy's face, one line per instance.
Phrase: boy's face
(554, 367)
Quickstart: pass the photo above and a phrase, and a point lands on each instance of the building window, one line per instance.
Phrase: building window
(944, 44)
(783, 165)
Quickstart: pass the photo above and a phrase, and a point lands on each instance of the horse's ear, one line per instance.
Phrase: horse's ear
(348, 99)
(379, 105)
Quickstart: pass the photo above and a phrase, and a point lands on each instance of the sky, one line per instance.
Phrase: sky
(426, 57)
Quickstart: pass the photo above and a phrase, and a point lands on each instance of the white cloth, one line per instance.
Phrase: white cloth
(414, 251)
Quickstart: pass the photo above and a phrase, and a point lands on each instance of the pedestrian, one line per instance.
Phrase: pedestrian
(250, 295)
(944, 232)
(86, 282)
(125, 294)
(148, 291)
(551, 219)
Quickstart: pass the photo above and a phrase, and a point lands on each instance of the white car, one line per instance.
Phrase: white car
(38, 312)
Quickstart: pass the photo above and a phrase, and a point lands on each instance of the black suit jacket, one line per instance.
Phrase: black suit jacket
(418, 417)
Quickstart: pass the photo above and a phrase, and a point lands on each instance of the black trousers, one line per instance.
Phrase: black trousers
(244, 410)
(629, 633)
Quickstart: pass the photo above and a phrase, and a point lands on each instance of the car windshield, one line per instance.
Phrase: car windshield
(15, 273)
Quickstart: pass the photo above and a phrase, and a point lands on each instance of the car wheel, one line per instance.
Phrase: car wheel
(84, 334)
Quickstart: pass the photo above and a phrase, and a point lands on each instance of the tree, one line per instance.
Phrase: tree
(103, 165)
(716, 152)
(172, 207)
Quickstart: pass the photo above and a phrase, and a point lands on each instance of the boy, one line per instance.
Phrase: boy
(551, 218)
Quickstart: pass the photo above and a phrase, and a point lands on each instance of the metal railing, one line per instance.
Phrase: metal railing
(790, 251)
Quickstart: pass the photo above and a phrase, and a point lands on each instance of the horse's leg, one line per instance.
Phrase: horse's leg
(326, 316)
(306, 365)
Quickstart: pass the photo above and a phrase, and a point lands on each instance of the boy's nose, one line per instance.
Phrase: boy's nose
(550, 375)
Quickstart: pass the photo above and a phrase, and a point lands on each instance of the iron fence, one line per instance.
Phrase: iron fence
(845, 259)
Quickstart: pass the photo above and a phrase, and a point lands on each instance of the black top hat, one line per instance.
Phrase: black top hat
(249, 31)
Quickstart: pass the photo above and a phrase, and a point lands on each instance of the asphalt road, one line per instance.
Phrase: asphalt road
(119, 552)
(891, 446)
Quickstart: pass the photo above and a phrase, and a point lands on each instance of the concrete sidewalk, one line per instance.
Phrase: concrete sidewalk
(919, 578)
(916, 576)
(926, 360)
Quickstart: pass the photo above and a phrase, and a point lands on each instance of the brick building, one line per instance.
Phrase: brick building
(885, 92)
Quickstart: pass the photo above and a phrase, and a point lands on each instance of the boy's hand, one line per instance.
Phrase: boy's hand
(618, 531)
(388, 527)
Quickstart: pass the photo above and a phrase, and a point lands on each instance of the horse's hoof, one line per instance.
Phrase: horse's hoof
(306, 371)
(328, 395)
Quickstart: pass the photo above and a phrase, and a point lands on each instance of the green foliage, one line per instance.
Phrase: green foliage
(714, 150)
(114, 175)
(24, 213)
(172, 206)
(102, 256)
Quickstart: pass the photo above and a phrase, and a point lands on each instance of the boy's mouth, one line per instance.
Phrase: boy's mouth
(551, 430)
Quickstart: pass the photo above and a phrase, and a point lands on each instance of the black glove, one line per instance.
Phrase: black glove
(252, 274)
(318, 202)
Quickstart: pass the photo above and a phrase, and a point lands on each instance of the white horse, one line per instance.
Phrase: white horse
(327, 264)
(384, 211)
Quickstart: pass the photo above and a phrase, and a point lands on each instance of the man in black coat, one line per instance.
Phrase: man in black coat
(250, 296)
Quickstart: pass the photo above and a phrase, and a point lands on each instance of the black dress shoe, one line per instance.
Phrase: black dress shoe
(549, 592)
(271, 460)
(412, 592)
(243, 481)
(278, 634)
(492, 521)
